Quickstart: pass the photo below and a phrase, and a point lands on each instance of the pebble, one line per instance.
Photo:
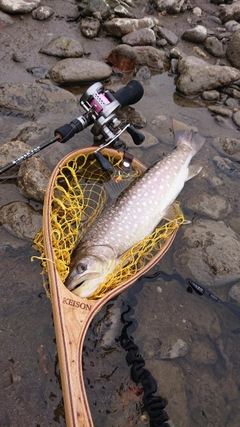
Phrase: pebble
(19, 6)
(197, 34)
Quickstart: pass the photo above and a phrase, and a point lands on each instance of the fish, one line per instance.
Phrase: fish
(134, 215)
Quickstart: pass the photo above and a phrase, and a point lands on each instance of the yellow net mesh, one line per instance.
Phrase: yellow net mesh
(80, 192)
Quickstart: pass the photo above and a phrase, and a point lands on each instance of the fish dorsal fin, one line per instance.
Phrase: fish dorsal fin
(193, 170)
(172, 212)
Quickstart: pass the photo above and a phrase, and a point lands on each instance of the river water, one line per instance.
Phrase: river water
(201, 386)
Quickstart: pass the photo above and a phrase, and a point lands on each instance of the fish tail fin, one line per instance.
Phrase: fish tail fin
(184, 135)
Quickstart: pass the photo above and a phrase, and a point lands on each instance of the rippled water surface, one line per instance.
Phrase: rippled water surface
(201, 386)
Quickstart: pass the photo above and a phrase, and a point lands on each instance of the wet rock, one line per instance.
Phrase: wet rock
(234, 292)
(169, 6)
(230, 12)
(42, 13)
(63, 47)
(177, 53)
(232, 26)
(213, 206)
(37, 72)
(210, 253)
(100, 6)
(122, 57)
(231, 91)
(214, 46)
(128, 114)
(152, 57)
(150, 140)
(218, 109)
(143, 73)
(196, 75)
(228, 146)
(143, 37)
(197, 34)
(11, 151)
(119, 27)
(5, 20)
(179, 349)
(233, 50)
(21, 220)
(78, 70)
(227, 166)
(33, 178)
(203, 353)
(236, 118)
(123, 12)
(37, 98)
(210, 95)
(19, 6)
(90, 27)
(168, 35)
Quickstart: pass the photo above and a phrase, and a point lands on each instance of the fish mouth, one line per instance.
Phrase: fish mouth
(77, 280)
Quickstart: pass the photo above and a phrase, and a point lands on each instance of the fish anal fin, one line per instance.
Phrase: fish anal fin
(193, 170)
(172, 212)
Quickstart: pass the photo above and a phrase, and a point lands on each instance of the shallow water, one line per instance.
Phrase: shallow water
(201, 387)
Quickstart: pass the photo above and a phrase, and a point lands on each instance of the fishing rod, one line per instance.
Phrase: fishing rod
(101, 107)
(200, 290)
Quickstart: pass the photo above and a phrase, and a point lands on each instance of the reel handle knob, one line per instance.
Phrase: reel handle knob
(104, 163)
(137, 136)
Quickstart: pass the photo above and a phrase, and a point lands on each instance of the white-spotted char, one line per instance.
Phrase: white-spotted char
(134, 215)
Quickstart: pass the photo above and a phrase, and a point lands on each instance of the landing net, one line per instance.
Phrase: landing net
(79, 194)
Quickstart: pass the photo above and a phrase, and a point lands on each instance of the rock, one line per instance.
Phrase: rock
(78, 70)
(42, 13)
(228, 146)
(213, 206)
(122, 57)
(197, 34)
(150, 140)
(5, 20)
(168, 35)
(196, 75)
(179, 349)
(122, 12)
(151, 57)
(170, 6)
(197, 11)
(37, 98)
(236, 118)
(21, 220)
(232, 26)
(128, 114)
(234, 292)
(203, 353)
(63, 47)
(119, 27)
(90, 27)
(210, 95)
(214, 46)
(210, 253)
(233, 50)
(33, 178)
(218, 109)
(100, 6)
(143, 37)
(200, 52)
(11, 151)
(230, 12)
(227, 166)
(19, 6)
(143, 73)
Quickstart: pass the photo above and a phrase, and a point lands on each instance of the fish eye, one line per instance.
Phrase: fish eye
(82, 267)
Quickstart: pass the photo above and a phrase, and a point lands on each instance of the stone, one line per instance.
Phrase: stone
(230, 12)
(143, 37)
(33, 178)
(42, 13)
(119, 27)
(100, 6)
(77, 70)
(63, 47)
(197, 34)
(19, 6)
(214, 46)
(168, 35)
(21, 220)
(210, 95)
(151, 57)
(196, 75)
(90, 27)
(233, 50)
(218, 109)
(122, 57)
(169, 6)
(38, 98)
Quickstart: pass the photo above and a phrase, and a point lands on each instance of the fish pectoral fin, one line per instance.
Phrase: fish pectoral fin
(173, 212)
(193, 170)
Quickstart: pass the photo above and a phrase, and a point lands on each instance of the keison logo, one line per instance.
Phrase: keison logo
(76, 304)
